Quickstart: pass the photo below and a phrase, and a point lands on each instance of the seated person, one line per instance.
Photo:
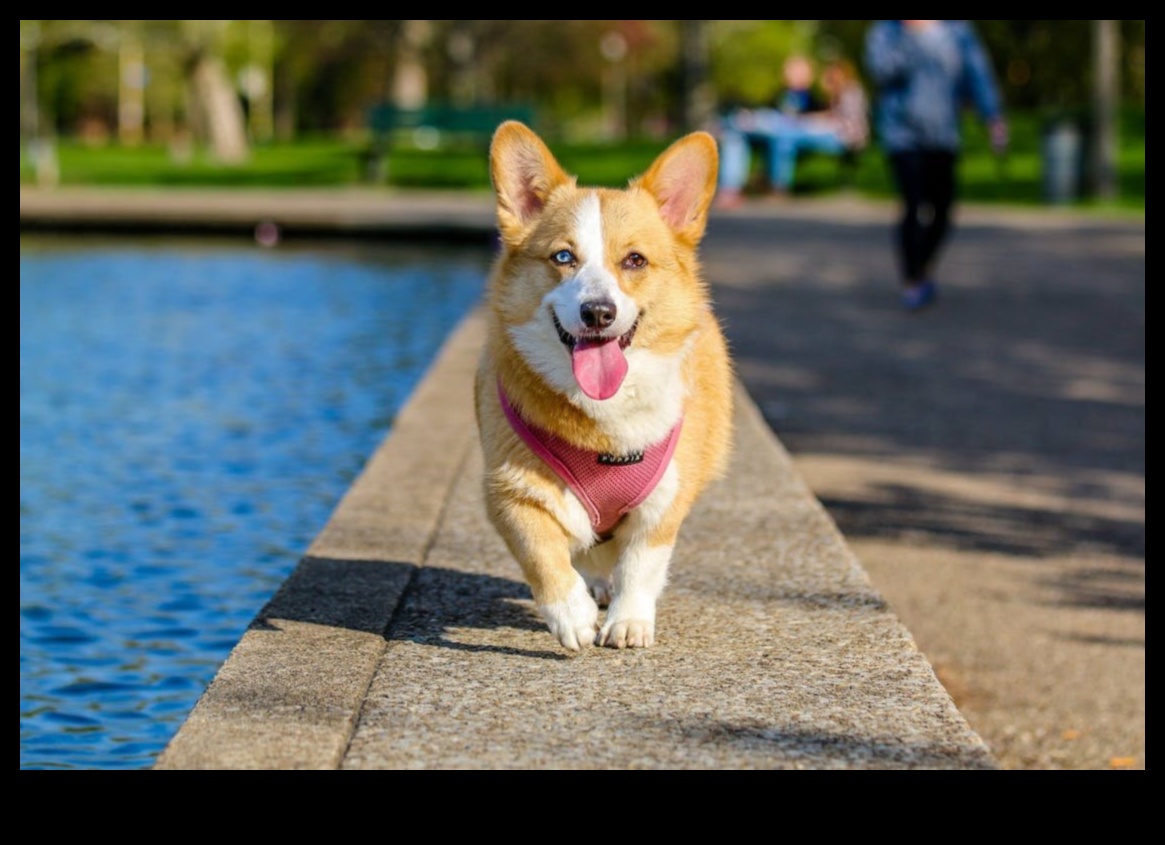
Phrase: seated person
(801, 123)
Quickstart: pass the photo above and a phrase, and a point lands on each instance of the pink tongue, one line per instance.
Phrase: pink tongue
(599, 367)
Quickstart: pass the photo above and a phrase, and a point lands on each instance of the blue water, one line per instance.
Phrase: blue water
(190, 414)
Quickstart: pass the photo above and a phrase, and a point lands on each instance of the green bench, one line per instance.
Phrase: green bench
(431, 126)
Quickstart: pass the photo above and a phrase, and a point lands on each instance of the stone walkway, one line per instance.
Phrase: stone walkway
(985, 459)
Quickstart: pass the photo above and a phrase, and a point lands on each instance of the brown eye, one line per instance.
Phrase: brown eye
(634, 261)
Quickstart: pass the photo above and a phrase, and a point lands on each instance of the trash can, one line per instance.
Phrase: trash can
(1062, 155)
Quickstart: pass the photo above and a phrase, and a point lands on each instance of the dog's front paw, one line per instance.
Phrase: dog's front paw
(628, 633)
(574, 621)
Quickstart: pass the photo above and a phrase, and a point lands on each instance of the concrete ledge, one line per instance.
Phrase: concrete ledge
(442, 216)
(406, 638)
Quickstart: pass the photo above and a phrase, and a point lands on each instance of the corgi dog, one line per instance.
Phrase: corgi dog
(604, 391)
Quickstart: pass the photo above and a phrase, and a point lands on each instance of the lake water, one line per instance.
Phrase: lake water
(190, 413)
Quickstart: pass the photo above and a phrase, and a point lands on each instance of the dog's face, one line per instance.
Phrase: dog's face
(597, 288)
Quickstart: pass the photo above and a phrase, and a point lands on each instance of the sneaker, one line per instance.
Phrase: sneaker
(917, 297)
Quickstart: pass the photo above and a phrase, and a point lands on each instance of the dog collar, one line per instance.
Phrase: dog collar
(609, 486)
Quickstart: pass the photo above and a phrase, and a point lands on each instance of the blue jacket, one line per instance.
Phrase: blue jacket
(923, 79)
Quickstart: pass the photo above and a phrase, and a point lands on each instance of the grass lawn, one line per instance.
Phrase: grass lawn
(333, 162)
(983, 176)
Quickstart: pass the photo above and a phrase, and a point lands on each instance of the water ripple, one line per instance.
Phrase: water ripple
(189, 415)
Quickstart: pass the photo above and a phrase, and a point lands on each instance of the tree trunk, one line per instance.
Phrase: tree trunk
(461, 47)
(28, 98)
(284, 104)
(260, 79)
(410, 82)
(1105, 99)
(697, 100)
(131, 89)
(220, 115)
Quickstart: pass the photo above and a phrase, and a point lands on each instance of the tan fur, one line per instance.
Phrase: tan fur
(662, 216)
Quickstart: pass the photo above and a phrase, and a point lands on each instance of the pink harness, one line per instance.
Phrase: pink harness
(608, 485)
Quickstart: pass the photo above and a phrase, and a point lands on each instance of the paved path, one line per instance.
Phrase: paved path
(985, 459)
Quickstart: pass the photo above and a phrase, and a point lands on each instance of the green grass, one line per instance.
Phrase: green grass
(302, 164)
(1014, 178)
(325, 162)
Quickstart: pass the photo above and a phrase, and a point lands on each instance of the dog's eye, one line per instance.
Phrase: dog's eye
(563, 258)
(634, 261)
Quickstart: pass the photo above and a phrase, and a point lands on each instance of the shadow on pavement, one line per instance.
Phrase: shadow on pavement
(821, 749)
(400, 601)
(1030, 367)
(892, 510)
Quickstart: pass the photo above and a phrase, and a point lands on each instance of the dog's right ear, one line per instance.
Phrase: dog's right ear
(524, 173)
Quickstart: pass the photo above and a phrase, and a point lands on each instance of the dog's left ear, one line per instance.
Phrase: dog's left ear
(683, 182)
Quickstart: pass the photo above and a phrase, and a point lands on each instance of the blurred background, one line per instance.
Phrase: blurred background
(295, 103)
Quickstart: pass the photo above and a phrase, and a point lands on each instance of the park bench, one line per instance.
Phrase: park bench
(430, 126)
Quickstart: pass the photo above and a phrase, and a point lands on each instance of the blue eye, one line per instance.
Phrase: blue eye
(563, 257)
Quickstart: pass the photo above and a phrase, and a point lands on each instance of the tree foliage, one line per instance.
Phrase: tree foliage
(327, 72)
(1044, 64)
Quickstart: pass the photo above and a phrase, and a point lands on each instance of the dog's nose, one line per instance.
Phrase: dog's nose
(598, 313)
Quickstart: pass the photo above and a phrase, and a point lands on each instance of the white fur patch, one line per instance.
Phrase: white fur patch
(641, 573)
(592, 280)
(643, 520)
(638, 580)
(647, 406)
(574, 621)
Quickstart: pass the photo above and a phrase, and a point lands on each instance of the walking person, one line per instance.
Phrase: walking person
(924, 72)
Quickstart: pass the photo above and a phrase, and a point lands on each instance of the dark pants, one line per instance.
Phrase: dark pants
(926, 181)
